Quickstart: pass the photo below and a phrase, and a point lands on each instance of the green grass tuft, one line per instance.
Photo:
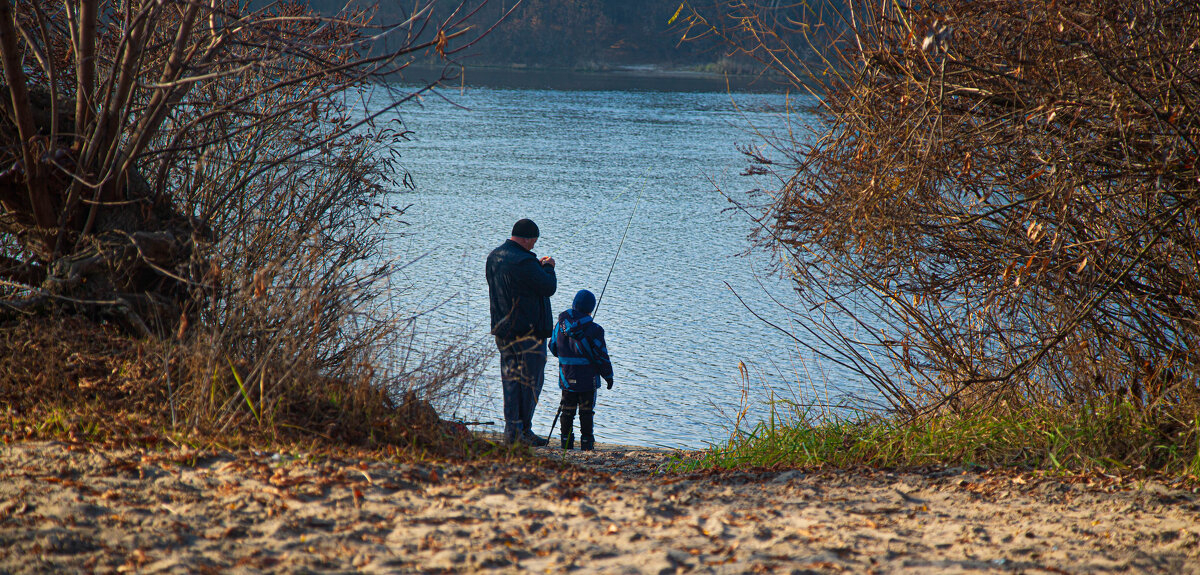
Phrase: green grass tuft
(1111, 436)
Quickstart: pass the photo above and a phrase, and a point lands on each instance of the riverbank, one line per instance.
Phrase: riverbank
(618, 78)
(81, 507)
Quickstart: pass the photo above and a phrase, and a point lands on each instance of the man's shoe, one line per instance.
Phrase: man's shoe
(512, 432)
(568, 441)
(586, 444)
(534, 440)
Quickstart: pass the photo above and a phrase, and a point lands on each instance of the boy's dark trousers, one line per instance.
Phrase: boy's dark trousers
(585, 403)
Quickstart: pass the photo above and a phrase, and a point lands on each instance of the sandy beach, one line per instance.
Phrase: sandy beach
(83, 508)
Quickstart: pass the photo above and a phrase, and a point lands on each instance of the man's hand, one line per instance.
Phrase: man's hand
(609, 383)
(547, 261)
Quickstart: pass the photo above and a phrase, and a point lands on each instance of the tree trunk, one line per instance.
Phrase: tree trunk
(135, 264)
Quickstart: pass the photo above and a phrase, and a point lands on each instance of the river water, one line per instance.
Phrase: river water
(586, 165)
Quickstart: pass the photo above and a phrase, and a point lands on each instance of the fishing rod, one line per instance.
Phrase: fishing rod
(596, 309)
(619, 246)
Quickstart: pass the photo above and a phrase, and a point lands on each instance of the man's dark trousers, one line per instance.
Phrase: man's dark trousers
(522, 371)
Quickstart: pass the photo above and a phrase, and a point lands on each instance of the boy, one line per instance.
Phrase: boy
(578, 343)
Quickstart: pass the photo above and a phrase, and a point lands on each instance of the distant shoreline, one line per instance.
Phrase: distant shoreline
(625, 78)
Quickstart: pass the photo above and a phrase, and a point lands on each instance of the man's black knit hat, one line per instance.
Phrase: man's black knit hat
(525, 228)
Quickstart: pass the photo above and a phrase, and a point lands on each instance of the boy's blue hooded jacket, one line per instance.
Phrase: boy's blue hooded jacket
(578, 342)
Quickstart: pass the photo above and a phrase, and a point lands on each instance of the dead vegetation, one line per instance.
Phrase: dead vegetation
(203, 196)
(71, 379)
(1001, 198)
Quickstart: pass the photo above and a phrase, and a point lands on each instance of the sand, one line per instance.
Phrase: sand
(82, 508)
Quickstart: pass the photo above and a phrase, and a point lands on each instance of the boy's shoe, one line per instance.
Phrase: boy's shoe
(586, 444)
(568, 441)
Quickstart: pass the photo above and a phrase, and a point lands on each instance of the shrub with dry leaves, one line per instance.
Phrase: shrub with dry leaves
(1003, 196)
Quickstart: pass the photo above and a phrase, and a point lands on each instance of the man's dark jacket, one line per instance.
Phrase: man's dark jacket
(519, 288)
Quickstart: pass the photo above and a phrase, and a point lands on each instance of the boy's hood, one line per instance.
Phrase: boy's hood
(574, 322)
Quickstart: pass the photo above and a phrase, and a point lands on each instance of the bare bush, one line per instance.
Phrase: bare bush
(219, 176)
(1003, 194)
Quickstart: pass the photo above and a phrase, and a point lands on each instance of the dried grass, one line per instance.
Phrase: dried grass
(68, 378)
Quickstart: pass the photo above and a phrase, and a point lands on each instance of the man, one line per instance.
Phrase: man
(519, 288)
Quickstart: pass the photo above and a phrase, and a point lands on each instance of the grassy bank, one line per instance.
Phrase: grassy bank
(74, 380)
(1112, 437)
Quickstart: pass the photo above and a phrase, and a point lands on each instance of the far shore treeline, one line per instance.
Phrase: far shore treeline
(597, 35)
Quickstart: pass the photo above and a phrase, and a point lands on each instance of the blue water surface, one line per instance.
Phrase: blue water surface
(587, 166)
